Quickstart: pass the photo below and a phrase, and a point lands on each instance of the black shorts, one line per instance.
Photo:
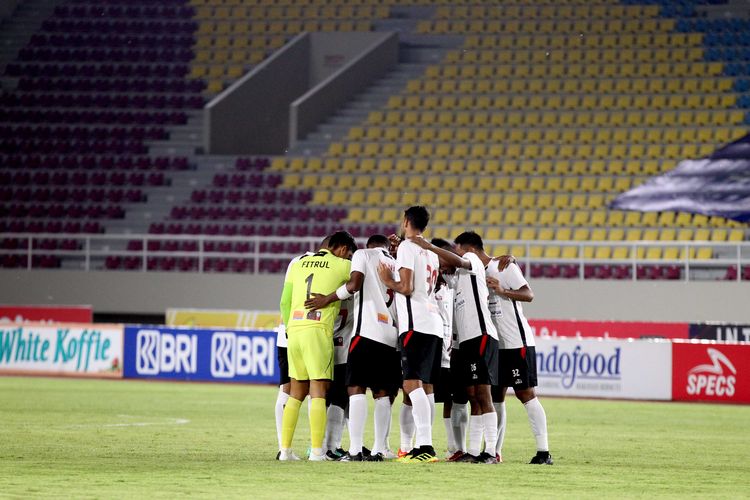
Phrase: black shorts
(421, 354)
(283, 365)
(337, 393)
(460, 396)
(518, 368)
(479, 361)
(443, 387)
(373, 365)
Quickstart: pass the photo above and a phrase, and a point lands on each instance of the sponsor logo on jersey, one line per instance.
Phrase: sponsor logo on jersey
(717, 378)
(297, 315)
(383, 318)
(159, 352)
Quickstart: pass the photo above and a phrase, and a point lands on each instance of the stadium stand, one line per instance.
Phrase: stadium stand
(534, 118)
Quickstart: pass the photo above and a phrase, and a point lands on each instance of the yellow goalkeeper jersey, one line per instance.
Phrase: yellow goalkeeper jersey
(321, 272)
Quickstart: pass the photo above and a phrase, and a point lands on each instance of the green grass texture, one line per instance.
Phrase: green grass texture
(73, 438)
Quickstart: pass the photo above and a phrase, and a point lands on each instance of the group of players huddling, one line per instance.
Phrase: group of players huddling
(442, 322)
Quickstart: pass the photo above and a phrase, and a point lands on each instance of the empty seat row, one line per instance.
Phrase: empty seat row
(111, 40)
(83, 133)
(520, 151)
(575, 40)
(525, 25)
(99, 100)
(534, 67)
(84, 55)
(546, 11)
(637, 166)
(556, 55)
(91, 71)
(279, 27)
(655, 135)
(139, 85)
(255, 197)
(104, 25)
(78, 178)
(238, 42)
(533, 118)
(257, 181)
(47, 116)
(573, 85)
(58, 211)
(92, 162)
(341, 11)
(65, 194)
(572, 102)
(604, 252)
(117, 11)
(35, 226)
(231, 71)
(223, 212)
(41, 244)
(318, 229)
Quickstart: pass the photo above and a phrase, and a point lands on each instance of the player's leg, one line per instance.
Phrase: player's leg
(526, 366)
(420, 355)
(498, 401)
(298, 390)
(337, 400)
(406, 426)
(487, 376)
(443, 395)
(385, 368)
(318, 358)
(459, 407)
(283, 395)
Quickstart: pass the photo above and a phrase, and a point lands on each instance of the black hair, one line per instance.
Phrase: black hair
(441, 243)
(378, 240)
(342, 238)
(471, 239)
(418, 217)
(324, 243)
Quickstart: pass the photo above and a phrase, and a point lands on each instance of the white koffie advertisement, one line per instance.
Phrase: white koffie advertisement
(598, 368)
(69, 349)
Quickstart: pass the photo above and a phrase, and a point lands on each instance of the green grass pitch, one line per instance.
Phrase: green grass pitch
(105, 439)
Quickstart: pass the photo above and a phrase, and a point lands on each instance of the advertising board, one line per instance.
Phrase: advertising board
(45, 314)
(708, 371)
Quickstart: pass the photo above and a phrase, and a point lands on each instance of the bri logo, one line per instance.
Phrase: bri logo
(711, 379)
(576, 364)
(159, 352)
(233, 355)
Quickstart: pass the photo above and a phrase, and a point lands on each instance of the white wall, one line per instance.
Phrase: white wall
(153, 293)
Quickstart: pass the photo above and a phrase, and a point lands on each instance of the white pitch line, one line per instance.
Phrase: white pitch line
(168, 421)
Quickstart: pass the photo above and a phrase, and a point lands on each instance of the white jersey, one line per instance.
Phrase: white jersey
(471, 303)
(281, 329)
(342, 332)
(374, 308)
(444, 297)
(507, 314)
(419, 312)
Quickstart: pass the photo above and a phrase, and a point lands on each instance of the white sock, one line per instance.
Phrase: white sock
(382, 423)
(501, 422)
(538, 422)
(387, 439)
(476, 429)
(357, 419)
(406, 423)
(431, 399)
(449, 435)
(281, 399)
(460, 422)
(420, 410)
(334, 427)
(489, 420)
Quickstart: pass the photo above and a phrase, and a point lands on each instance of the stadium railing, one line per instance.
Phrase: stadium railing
(90, 251)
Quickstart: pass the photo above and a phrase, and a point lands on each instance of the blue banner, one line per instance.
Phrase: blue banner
(216, 355)
(716, 186)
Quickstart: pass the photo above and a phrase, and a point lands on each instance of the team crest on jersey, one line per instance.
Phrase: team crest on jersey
(383, 318)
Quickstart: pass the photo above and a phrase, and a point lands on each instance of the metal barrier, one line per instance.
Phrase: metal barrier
(91, 250)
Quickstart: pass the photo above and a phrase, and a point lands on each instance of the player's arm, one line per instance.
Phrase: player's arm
(285, 304)
(504, 261)
(319, 301)
(449, 257)
(523, 294)
(404, 287)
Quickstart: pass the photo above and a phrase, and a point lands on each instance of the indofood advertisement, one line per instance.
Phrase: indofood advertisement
(618, 369)
(70, 349)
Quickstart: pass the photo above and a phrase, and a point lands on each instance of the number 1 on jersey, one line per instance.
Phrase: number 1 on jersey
(308, 280)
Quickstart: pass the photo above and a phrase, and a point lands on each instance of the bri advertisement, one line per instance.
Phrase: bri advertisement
(215, 355)
(61, 349)
(618, 369)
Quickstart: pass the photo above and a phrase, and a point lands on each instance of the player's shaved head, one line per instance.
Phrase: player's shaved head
(378, 241)
(470, 239)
